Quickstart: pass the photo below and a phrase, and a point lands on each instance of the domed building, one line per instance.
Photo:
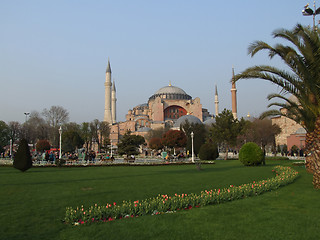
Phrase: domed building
(170, 106)
(165, 108)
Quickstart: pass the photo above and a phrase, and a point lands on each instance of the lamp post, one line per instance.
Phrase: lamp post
(11, 149)
(111, 148)
(60, 133)
(309, 12)
(27, 114)
(192, 152)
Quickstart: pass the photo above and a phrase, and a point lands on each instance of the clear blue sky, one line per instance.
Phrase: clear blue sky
(56, 52)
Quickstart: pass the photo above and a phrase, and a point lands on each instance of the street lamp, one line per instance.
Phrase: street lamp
(27, 114)
(11, 149)
(60, 133)
(192, 152)
(309, 12)
(111, 148)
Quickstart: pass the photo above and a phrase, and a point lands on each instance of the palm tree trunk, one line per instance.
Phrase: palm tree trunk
(313, 151)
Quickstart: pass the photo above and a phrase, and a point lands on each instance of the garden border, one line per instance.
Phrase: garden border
(164, 203)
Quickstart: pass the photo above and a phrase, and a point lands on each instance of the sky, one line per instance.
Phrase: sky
(55, 53)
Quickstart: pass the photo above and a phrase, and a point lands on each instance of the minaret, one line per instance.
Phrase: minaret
(216, 101)
(234, 96)
(113, 103)
(107, 106)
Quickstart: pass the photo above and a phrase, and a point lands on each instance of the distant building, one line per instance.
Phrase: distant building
(291, 132)
(169, 106)
(298, 138)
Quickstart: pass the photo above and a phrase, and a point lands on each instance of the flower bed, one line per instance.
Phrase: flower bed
(164, 203)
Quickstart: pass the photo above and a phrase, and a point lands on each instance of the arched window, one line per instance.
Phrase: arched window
(174, 112)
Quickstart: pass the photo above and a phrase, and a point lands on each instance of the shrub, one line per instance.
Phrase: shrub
(43, 145)
(208, 151)
(22, 159)
(250, 154)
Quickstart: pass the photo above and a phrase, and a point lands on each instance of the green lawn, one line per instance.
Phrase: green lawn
(33, 203)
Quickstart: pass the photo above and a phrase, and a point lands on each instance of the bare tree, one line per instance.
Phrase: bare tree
(35, 128)
(99, 131)
(15, 130)
(86, 135)
(55, 117)
(104, 130)
(262, 132)
(94, 130)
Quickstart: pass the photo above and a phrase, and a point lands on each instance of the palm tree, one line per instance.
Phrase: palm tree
(302, 80)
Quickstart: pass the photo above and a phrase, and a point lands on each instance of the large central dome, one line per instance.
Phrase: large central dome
(171, 92)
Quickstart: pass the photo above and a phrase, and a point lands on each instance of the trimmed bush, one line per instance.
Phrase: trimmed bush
(251, 154)
(208, 151)
(22, 159)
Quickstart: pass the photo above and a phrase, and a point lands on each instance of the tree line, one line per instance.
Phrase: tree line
(45, 126)
(227, 133)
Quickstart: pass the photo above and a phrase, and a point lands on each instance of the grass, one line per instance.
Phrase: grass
(33, 203)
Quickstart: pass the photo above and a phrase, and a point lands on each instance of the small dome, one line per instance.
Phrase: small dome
(143, 117)
(209, 122)
(189, 118)
(171, 92)
(143, 105)
(301, 131)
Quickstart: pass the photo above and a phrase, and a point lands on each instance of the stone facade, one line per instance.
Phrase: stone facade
(163, 109)
(287, 126)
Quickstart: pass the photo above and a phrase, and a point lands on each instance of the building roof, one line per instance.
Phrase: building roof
(301, 131)
(190, 118)
(170, 89)
(171, 92)
(108, 67)
(141, 106)
(209, 122)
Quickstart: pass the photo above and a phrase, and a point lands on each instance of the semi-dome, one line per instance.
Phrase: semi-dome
(171, 92)
(190, 118)
(209, 122)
